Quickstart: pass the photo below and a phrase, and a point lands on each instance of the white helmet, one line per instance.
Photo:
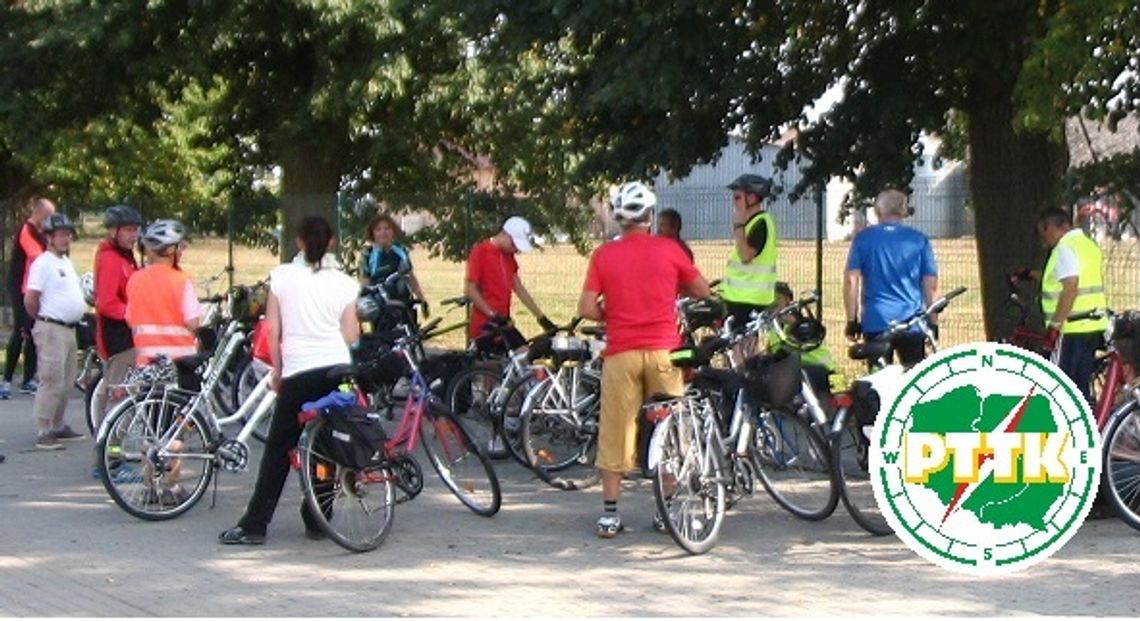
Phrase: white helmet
(87, 285)
(632, 201)
(163, 233)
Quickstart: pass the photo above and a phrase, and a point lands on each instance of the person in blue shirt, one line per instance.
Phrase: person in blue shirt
(384, 257)
(891, 273)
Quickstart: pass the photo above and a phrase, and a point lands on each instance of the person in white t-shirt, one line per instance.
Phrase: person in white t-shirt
(55, 300)
(312, 321)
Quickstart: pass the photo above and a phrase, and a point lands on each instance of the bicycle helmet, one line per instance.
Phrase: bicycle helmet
(57, 222)
(760, 186)
(632, 201)
(163, 234)
(807, 333)
(121, 215)
(367, 308)
(87, 285)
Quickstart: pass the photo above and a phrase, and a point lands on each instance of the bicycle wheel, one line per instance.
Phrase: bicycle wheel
(248, 376)
(470, 398)
(688, 484)
(794, 464)
(89, 403)
(146, 480)
(1121, 467)
(462, 465)
(511, 427)
(559, 429)
(850, 452)
(225, 391)
(354, 507)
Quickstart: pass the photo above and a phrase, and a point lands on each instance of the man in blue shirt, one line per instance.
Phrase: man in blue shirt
(891, 273)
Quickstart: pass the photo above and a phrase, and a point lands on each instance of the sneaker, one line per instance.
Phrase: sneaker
(67, 433)
(5, 391)
(125, 475)
(175, 496)
(659, 524)
(30, 387)
(609, 526)
(46, 441)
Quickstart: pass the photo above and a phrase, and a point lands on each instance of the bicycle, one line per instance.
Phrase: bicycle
(165, 436)
(558, 424)
(461, 464)
(857, 409)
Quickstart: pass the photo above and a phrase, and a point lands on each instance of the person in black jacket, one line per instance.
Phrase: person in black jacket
(28, 244)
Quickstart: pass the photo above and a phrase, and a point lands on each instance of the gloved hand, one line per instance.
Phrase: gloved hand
(498, 321)
(1052, 336)
(854, 330)
(546, 323)
(427, 308)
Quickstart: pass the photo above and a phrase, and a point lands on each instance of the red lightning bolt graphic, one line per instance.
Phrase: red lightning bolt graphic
(1011, 424)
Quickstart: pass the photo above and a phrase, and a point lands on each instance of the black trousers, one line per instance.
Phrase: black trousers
(910, 346)
(21, 340)
(283, 434)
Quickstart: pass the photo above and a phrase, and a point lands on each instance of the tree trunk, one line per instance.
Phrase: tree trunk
(1013, 175)
(309, 188)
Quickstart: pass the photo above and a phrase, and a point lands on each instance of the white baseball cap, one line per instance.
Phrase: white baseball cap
(520, 232)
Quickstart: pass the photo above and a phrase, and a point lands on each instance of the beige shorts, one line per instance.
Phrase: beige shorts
(628, 379)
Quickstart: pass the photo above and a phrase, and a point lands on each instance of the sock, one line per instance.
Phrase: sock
(610, 507)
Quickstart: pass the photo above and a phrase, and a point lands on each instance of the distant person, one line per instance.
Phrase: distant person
(311, 317)
(386, 257)
(493, 275)
(162, 304)
(55, 299)
(891, 274)
(638, 276)
(28, 244)
(750, 276)
(669, 225)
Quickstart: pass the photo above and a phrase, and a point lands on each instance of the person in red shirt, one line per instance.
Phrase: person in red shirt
(492, 275)
(638, 276)
(114, 263)
(28, 244)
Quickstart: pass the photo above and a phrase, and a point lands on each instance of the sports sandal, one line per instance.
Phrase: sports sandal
(609, 526)
(659, 524)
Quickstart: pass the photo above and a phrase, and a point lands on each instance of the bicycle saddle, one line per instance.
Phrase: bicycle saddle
(869, 351)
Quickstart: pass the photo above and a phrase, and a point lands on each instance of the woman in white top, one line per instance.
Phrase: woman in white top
(311, 317)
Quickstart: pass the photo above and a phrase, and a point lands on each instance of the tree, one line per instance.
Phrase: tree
(647, 85)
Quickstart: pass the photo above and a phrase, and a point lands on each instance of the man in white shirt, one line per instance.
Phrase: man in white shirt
(55, 300)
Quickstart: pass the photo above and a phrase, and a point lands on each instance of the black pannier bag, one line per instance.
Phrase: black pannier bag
(773, 381)
(353, 438)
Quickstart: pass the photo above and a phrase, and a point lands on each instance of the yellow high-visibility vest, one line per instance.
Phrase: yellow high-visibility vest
(753, 282)
(1090, 284)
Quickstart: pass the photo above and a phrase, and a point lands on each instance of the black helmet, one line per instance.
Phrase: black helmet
(58, 221)
(121, 215)
(760, 186)
(807, 333)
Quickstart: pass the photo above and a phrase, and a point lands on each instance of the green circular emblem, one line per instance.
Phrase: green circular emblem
(986, 460)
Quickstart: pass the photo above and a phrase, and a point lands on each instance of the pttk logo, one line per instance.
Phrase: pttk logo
(986, 460)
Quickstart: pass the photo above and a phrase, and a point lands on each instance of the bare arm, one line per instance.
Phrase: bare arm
(524, 297)
(416, 289)
(273, 322)
(698, 288)
(32, 302)
(929, 294)
(590, 308)
(1064, 303)
(471, 290)
(349, 327)
(851, 281)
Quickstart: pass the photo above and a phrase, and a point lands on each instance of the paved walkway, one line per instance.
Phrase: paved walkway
(66, 549)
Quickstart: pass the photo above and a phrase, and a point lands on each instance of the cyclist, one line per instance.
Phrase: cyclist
(311, 318)
(55, 300)
(891, 273)
(162, 306)
(1072, 282)
(385, 257)
(750, 276)
(492, 275)
(669, 225)
(28, 244)
(639, 276)
(115, 262)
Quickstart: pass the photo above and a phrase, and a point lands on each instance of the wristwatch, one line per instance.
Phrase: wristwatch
(738, 225)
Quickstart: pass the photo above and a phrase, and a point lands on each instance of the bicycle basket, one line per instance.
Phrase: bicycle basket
(352, 437)
(773, 381)
(247, 303)
(1126, 337)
